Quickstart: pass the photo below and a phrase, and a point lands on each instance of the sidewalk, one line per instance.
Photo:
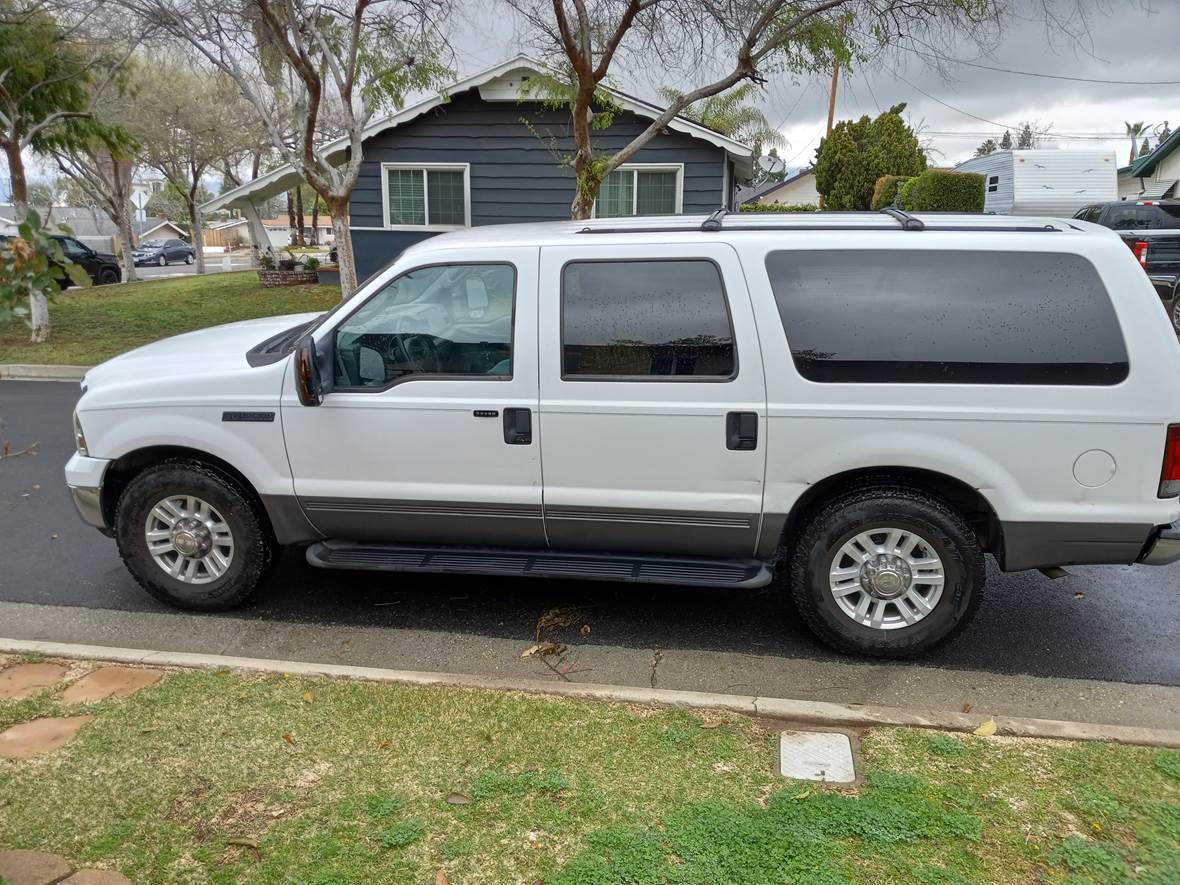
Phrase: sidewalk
(167, 774)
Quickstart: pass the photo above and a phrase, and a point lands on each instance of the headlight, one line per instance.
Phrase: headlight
(79, 436)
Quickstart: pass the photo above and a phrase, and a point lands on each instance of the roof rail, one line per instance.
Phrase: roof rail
(713, 222)
(907, 221)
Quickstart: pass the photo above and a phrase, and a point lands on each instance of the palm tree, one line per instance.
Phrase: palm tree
(1134, 130)
(729, 114)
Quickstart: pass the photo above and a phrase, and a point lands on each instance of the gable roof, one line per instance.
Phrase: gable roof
(1146, 165)
(770, 186)
(165, 223)
(284, 178)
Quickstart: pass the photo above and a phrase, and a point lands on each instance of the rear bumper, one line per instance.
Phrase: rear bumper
(84, 477)
(1165, 285)
(1163, 546)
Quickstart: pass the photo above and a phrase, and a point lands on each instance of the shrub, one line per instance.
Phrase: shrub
(311, 264)
(939, 190)
(779, 207)
(885, 190)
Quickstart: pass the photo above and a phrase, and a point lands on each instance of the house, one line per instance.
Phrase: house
(798, 188)
(159, 229)
(94, 228)
(1153, 176)
(1044, 182)
(487, 151)
(282, 234)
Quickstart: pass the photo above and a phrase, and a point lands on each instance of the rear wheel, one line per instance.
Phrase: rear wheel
(886, 571)
(191, 536)
(1176, 310)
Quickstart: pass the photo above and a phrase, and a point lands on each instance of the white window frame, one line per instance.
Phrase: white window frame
(465, 168)
(678, 168)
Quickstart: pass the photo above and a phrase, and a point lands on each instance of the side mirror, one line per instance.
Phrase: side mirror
(307, 373)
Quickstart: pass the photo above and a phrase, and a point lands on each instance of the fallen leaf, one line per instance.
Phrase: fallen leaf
(290, 740)
(987, 729)
(1079, 596)
(54, 536)
(440, 878)
(308, 697)
(542, 650)
(585, 631)
(800, 796)
(384, 745)
(556, 618)
(968, 707)
(721, 767)
(244, 841)
(457, 799)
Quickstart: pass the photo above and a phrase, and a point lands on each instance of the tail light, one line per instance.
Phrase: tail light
(1140, 250)
(1170, 476)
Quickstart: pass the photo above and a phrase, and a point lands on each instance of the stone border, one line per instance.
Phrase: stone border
(22, 372)
(798, 712)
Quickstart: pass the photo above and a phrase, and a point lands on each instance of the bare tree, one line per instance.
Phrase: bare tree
(314, 70)
(724, 42)
(104, 177)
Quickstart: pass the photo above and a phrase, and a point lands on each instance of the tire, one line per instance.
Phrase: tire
(162, 261)
(243, 565)
(942, 535)
(108, 278)
(1176, 310)
(188, 259)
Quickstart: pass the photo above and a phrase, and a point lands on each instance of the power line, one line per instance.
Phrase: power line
(972, 64)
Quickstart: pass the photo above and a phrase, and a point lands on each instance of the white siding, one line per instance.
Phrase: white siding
(800, 191)
(998, 165)
(1056, 183)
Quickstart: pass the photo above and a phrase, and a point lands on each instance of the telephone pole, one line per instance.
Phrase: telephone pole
(832, 97)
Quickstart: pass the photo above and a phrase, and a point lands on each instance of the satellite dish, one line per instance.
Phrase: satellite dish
(771, 165)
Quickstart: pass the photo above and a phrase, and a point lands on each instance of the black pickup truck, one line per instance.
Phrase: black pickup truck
(1151, 228)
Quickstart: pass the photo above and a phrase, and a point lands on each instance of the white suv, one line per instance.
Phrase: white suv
(871, 401)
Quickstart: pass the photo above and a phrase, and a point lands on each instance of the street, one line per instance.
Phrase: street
(1037, 647)
(215, 262)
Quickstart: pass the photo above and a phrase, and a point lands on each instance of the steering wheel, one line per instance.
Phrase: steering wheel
(421, 351)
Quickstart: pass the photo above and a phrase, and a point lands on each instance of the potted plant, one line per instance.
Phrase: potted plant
(287, 271)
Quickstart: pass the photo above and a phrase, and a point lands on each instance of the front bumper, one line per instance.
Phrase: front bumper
(84, 477)
(1163, 547)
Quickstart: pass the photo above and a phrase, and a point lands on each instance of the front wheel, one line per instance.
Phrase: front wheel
(191, 536)
(188, 259)
(886, 571)
(162, 261)
(108, 277)
(1176, 310)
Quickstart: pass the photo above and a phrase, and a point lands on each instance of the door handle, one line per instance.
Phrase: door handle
(741, 431)
(518, 427)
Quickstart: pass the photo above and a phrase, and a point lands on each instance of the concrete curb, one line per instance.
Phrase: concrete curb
(809, 712)
(19, 372)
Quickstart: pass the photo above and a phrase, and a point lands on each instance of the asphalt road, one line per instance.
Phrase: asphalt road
(1118, 624)
(213, 264)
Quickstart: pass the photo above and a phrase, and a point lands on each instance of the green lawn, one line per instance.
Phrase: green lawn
(95, 324)
(221, 777)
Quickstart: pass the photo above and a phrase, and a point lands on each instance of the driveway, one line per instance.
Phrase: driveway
(1067, 648)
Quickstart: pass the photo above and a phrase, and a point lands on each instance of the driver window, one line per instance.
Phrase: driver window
(453, 320)
(72, 247)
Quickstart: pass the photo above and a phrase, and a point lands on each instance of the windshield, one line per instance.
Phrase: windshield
(151, 244)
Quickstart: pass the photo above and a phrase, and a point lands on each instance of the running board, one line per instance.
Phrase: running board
(540, 564)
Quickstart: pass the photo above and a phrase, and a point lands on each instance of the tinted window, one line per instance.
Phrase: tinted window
(1169, 216)
(441, 320)
(1132, 217)
(644, 319)
(947, 317)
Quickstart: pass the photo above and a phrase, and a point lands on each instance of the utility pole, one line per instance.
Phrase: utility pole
(832, 98)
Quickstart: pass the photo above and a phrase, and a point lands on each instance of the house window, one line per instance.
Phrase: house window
(428, 196)
(640, 190)
(993, 183)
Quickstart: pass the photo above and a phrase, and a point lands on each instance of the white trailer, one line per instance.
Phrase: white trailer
(1049, 182)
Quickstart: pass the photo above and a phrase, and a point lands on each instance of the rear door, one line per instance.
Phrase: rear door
(653, 401)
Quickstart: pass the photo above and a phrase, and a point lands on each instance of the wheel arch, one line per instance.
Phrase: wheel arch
(976, 509)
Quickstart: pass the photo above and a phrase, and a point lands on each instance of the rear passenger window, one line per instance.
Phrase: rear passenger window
(645, 320)
(949, 317)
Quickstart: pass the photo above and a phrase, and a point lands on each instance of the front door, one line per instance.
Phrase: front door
(653, 401)
(430, 434)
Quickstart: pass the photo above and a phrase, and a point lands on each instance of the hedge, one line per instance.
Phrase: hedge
(939, 190)
(885, 190)
(779, 207)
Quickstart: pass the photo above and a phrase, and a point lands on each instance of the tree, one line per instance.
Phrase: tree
(314, 70)
(1025, 141)
(988, 147)
(731, 113)
(735, 42)
(172, 203)
(1145, 148)
(1134, 130)
(50, 82)
(1006, 141)
(850, 160)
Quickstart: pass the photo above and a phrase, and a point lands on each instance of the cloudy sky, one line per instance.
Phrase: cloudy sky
(1129, 40)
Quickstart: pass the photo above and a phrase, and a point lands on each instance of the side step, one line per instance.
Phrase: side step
(540, 564)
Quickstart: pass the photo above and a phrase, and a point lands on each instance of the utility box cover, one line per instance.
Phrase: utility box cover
(816, 756)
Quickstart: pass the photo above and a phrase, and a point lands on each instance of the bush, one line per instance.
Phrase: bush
(938, 190)
(311, 264)
(885, 190)
(779, 207)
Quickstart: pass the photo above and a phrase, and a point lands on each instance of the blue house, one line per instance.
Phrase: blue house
(486, 151)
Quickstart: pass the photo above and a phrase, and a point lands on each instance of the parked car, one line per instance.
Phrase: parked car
(102, 267)
(845, 395)
(163, 252)
(1152, 229)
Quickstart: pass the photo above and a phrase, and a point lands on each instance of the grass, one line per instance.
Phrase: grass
(95, 324)
(219, 777)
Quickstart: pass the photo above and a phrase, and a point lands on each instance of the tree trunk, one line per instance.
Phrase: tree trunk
(198, 236)
(338, 209)
(123, 222)
(586, 180)
(300, 236)
(315, 220)
(38, 304)
(291, 218)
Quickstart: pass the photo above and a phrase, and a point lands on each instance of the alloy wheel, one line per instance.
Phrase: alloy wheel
(886, 578)
(189, 539)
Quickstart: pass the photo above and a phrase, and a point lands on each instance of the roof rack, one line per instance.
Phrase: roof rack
(713, 222)
(908, 222)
